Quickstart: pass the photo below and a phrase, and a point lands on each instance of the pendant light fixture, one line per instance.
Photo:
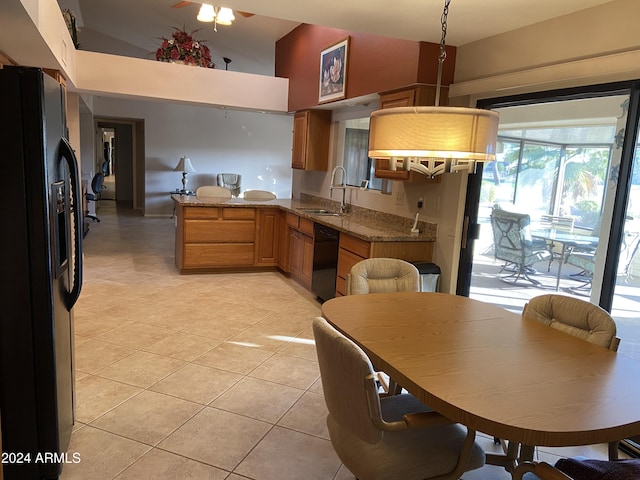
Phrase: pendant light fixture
(434, 140)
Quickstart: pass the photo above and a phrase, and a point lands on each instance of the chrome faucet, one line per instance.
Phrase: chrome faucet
(342, 186)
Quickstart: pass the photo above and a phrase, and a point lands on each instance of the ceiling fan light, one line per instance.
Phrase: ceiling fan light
(206, 13)
(225, 16)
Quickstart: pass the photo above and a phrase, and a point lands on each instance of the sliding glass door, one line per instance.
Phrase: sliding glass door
(566, 161)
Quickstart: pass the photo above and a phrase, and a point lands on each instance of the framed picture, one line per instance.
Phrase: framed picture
(333, 71)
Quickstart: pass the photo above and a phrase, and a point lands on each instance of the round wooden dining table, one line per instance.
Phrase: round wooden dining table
(494, 371)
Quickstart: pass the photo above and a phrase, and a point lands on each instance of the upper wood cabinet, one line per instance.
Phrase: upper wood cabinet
(417, 95)
(311, 130)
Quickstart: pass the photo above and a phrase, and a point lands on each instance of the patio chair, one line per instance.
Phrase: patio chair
(514, 245)
(556, 223)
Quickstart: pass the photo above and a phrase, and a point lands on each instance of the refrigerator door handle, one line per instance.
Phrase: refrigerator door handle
(66, 152)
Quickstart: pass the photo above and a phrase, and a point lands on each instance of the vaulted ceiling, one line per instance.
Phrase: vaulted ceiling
(134, 27)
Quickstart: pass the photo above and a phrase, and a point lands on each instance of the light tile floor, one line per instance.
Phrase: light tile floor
(198, 376)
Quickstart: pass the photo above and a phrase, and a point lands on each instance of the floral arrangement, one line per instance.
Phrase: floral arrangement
(70, 20)
(181, 47)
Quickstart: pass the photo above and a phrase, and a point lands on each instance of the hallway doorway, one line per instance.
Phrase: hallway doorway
(120, 157)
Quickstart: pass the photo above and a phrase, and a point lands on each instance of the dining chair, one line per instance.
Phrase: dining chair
(213, 191)
(385, 437)
(514, 245)
(579, 468)
(576, 317)
(381, 275)
(258, 195)
(579, 318)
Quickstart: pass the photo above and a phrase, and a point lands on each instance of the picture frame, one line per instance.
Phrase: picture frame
(333, 71)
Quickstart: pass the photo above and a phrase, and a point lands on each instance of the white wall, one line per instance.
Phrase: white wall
(256, 145)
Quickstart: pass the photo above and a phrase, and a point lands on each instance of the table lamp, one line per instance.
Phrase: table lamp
(184, 166)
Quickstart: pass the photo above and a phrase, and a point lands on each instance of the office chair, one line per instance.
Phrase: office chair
(97, 185)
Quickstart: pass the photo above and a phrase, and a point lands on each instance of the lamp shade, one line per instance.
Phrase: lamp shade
(206, 13)
(184, 165)
(433, 132)
(225, 16)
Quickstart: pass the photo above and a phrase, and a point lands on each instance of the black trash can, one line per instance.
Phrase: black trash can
(429, 276)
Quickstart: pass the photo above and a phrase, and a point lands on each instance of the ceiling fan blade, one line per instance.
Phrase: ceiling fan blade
(246, 14)
(181, 4)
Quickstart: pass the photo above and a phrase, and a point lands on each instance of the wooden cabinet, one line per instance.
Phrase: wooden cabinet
(215, 237)
(268, 237)
(311, 130)
(352, 250)
(382, 171)
(417, 95)
(300, 240)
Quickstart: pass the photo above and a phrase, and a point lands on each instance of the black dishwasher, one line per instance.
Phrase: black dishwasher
(325, 261)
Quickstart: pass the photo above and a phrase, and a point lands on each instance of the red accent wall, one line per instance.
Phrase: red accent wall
(376, 64)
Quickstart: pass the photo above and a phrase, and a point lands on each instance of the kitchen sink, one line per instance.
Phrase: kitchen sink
(319, 211)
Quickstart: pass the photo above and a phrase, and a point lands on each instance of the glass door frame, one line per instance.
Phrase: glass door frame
(472, 203)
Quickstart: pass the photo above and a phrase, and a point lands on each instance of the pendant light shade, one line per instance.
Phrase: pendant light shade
(434, 132)
(434, 140)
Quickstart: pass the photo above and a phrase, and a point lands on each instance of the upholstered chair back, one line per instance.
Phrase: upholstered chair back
(347, 380)
(212, 191)
(258, 195)
(575, 317)
(376, 275)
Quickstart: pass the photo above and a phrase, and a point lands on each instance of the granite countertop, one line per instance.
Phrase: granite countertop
(362, 223)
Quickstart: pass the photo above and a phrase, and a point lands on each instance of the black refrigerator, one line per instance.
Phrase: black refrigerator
(41, 255)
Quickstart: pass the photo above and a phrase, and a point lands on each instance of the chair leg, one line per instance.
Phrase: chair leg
(613, 450)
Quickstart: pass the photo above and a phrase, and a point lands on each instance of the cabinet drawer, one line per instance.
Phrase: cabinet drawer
(306, 226)
(206, 255)
(293, 220)
(239, 213)
(355, 245)
(201, 212)
(230, 231)
(346, 260)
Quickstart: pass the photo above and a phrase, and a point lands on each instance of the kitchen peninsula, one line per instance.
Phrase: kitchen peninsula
(216, 235)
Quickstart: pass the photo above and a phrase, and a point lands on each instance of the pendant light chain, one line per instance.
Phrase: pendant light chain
(443, 52)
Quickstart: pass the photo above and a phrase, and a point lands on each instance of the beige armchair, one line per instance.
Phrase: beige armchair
(375, 275)
(230, 181)
(390, 437)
